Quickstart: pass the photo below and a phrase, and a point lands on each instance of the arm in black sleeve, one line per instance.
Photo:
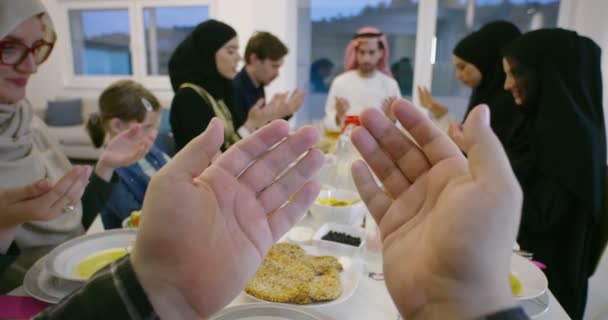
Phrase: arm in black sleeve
(95, 196)
(113, 293)
(239, 108)
(190, 116)
(546, 203)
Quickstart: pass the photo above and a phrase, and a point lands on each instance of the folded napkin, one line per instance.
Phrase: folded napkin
(15, 307)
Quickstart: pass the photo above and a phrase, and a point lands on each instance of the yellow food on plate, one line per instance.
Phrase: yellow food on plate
(515, 285)
(331, 201)
(93, 263)
(289, 275)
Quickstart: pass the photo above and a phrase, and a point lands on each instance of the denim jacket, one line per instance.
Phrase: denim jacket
(129, 193)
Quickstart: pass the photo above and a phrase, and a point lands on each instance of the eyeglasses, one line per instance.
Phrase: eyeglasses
(13, 52)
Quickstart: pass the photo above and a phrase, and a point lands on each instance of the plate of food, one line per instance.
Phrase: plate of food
(527, 280)
(306, 276)
(79, 258)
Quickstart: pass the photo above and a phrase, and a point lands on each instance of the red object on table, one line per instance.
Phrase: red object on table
(351, 120)
(16, 307)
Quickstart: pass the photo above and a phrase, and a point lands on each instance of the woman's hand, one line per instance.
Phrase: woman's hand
(39, 201)
(426, 101)
(124, 150)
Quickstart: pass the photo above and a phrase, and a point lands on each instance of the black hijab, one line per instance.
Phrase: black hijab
(564, 120)
(483, 49)
(194, 60)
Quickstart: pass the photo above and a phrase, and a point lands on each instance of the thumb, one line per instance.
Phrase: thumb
(195, 157)
(487, 158)
(455, 131)
(25, 192)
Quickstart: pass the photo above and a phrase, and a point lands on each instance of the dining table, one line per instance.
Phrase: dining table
(370, 299)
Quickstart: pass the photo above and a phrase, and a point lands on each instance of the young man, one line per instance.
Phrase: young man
(366, 82)
(264, 56)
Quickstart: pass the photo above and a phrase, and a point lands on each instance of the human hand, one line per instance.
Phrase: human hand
(386, 107)
(294, 103)
(123, 150)
(342, 107)
(205, 229)
(427, 102)
(448, 224)
(261, 114)
(41, 200)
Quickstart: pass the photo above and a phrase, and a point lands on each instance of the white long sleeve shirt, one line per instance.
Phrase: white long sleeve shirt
(360, 92)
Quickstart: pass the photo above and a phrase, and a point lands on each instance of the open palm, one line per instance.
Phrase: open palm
(439, 213)
(239, 206)
(126, 148)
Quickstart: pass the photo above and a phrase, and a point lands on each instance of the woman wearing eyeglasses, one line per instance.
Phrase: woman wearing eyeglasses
(53, 211)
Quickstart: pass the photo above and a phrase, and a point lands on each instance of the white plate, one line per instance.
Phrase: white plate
(349, 278)
(42, 286)
(125, 223)
(62, 261)
(533, 280)
(536, 307)
(267, 311)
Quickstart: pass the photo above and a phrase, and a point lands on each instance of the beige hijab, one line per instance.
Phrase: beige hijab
(27, 151)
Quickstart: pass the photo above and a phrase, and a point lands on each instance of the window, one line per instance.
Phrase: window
(165, 28)
(112, 39)
(457, 18)
(100, 41)
(331, 25)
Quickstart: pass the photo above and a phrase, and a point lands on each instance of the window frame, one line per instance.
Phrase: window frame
(137, 44)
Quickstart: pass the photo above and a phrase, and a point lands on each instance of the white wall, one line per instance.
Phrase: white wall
(588, 17)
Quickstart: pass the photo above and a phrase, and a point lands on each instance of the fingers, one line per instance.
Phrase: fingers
(279, 192)
(408, 157)
(375, 199)
(488, 161)
(296, 100)
(455, 131)
(137, 153)
(435, 144)
(383, 166)
(132, 133)
(422, 97)
(283, 219)
(25, 192)
(271, 164)
(197, 154)
(67, 191)
(259, 103)
(242, 154)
